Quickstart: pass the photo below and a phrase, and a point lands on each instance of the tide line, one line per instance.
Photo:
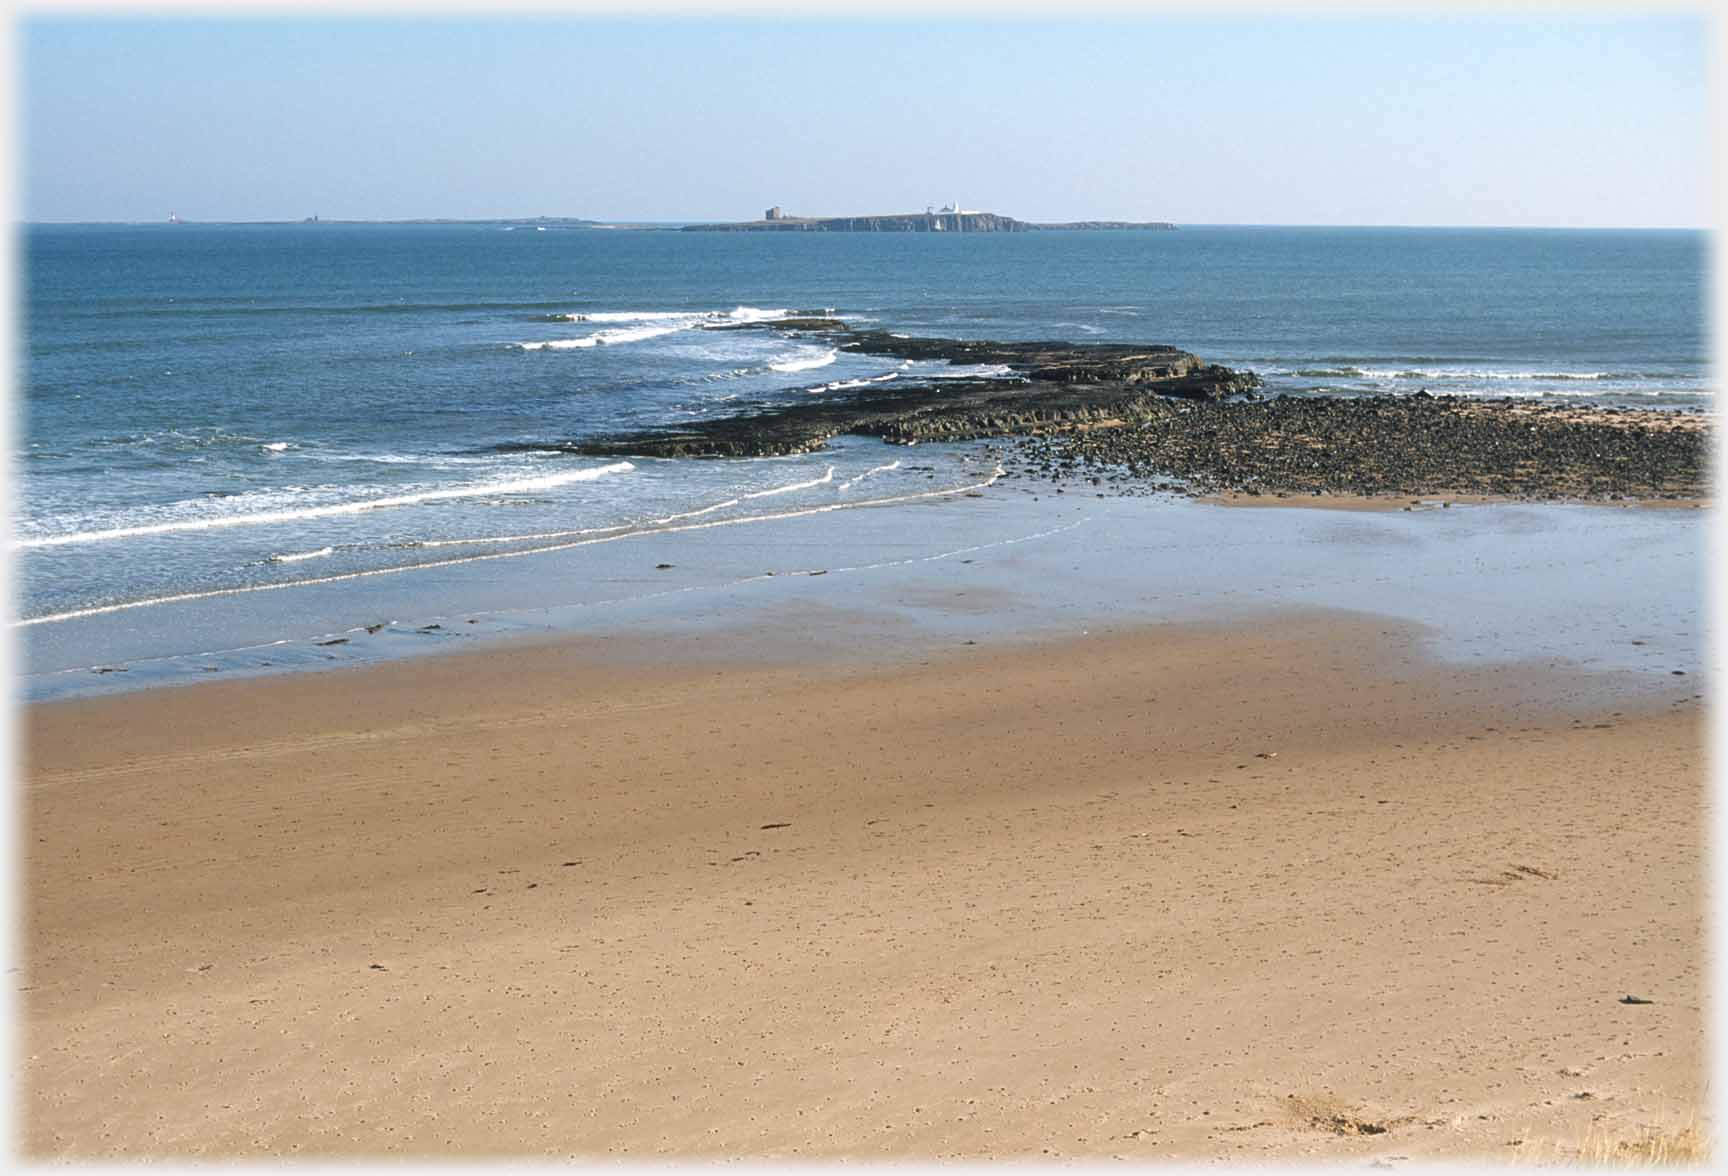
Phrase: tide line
(659, 522)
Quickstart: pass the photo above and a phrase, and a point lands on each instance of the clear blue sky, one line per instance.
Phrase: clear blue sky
(1544, 119)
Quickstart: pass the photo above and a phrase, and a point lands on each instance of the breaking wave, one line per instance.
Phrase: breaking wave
(803, 361)
(649, 324)
(260, 518)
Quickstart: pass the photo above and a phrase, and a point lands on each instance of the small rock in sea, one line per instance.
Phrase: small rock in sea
(109, 669)
(1630, 999)
(429, 628)
(333, 641)
(375, 628)
(661, 567)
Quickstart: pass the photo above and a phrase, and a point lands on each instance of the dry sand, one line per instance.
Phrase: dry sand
(1178, 892)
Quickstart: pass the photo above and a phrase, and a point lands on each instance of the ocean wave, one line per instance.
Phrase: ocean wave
(971, 371)
(803, 361)
(583, 540)
(180, 440)
(632, 316)
(822, 481)
(650, 324)
(300, 556)
(432, 460)
(261, 518)
(860, 382)
(604, 338)
(738, 314)
(881, 469)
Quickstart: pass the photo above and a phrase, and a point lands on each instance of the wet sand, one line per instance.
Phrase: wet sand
(1289, 891)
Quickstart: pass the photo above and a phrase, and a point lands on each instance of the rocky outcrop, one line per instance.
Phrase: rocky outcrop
(1048, 384)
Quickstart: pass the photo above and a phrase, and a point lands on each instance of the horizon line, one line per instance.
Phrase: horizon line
(604, 221)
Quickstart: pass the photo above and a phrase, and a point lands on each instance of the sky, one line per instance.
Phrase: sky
(1545, 119)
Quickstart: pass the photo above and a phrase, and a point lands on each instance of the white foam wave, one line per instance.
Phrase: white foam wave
(183, 597)
(803, 361)
(652, 325)
(275, 447)
(822, 481)
(862, 381)
(298, 556)
(605, 338)
(261, 518)
(881, 469)
(658, 522)
(736, 314)
(971, 371)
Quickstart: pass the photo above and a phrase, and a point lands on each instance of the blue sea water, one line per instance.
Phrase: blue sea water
(222, 408)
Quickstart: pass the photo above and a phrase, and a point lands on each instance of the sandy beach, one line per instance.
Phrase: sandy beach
(1172, 891)
(560, 618)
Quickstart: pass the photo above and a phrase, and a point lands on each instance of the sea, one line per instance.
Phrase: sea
(211, 411)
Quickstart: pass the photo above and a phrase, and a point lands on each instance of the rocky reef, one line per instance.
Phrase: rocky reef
(1047, 385)
(1382, 445)
(1135, 418)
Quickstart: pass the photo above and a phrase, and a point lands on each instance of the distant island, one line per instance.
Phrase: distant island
(951, 219)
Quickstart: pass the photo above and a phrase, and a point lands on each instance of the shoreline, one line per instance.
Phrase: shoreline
(1090, 896)
(964, 567)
